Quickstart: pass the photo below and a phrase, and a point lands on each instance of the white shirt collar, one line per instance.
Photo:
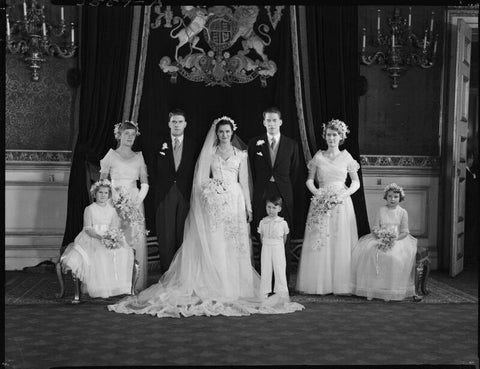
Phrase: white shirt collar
(276, 219)
(180, 139)
(270, 137)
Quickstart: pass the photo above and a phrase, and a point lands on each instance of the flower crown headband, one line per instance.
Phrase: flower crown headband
(338, 125)
(228, 119)
(395, 188)
(100, 183)
(116, 130)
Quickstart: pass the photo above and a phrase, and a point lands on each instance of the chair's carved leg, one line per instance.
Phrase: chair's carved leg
(418, 277)
(426, 273)
(58, 268)
(135, 275)
(76, 286)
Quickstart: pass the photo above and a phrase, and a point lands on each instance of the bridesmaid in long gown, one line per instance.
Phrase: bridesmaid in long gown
(331, 229)
(125, 167)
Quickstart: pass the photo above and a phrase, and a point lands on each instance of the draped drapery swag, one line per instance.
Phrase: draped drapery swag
(326, 70)
(110, 56)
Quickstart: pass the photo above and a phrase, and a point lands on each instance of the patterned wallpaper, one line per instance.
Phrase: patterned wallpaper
(38, 115)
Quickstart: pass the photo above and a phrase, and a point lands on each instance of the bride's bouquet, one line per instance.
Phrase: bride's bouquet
(112, 239)
(127, 209)
(214, 196)
(322, 204)
(386, 238)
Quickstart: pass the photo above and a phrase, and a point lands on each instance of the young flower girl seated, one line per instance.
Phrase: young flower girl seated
(383, 261)
(99, 256)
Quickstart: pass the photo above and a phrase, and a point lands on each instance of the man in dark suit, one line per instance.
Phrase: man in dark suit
(174, 167)
(274, 162)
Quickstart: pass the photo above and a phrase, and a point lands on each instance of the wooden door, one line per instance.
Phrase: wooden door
(458, 121)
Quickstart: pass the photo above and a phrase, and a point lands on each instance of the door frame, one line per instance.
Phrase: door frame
(469, 16)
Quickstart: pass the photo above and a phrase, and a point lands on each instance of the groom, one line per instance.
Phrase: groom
(174, 166)
(274, 163)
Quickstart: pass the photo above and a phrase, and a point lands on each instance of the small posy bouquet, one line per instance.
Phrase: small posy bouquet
(127, 208)
(386, 238)
(113, 238)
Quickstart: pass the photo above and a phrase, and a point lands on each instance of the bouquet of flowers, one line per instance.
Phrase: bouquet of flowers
(127, 208)
(214, 196)
(112, 239)
(322, 203)
(386, 238)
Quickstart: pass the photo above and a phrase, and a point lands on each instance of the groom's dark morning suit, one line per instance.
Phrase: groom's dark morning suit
(284, 172)
(173, 187)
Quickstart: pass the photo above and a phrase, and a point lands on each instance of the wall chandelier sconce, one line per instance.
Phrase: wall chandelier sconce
(34, 37)
(400, 48)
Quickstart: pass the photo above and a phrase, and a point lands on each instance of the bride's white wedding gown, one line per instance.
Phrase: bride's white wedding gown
(211, 273)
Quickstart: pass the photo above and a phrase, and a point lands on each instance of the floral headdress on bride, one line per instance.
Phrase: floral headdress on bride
(120, 127)
(396, 189)
(338, 126)
(228, 119)
(101, 183)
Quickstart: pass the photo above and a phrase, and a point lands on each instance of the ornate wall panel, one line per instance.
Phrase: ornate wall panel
(38, 115)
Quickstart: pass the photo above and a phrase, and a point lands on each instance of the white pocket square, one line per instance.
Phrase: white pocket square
(161, 153)
(259, 154)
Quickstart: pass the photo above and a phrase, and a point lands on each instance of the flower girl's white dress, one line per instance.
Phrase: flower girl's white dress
(103, 272)
(325, 261)
(385, 275)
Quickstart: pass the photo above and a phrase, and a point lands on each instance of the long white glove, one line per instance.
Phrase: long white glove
(354, 186)
(311, 186)
(143, 192)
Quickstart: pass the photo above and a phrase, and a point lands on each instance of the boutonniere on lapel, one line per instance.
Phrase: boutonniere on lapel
(260, 142)
(164, 147)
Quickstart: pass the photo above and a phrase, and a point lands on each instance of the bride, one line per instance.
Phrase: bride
(211, 273)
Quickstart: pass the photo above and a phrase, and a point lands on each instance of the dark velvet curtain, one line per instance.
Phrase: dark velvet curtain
(242, 102)
(328, 46)
(104, 56)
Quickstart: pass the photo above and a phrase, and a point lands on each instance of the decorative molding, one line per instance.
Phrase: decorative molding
(38, 156)
(430, 162)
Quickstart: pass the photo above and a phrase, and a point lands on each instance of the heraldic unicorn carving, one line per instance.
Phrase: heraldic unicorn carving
(221, 28)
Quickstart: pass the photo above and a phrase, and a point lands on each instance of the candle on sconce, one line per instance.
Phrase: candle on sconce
(24, 8)
(8, 26)
(364, 38)
(393, 40)
(72, 34)
(425, 41)
(431, 22)
(409, 16)
(62, 15)
(378, 20)
(44, 27)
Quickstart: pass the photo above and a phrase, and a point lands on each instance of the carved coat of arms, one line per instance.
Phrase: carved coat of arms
(221, 28)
